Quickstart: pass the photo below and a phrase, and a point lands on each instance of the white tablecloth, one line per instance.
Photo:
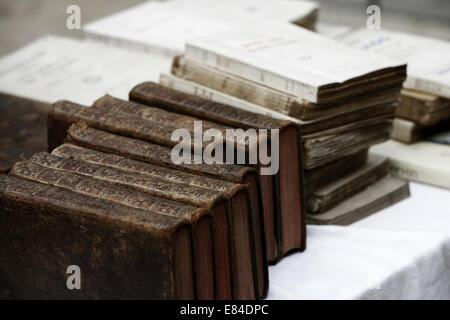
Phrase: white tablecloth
(402, 252)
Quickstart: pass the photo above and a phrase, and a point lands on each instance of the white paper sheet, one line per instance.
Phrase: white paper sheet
(54, 68)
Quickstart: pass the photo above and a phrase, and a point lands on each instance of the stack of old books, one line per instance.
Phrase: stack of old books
(425, 105)
(111, 199)
(342, 102)
(420, 150)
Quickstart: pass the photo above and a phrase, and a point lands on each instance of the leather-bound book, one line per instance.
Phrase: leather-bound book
(201, 223)
(231, 207)
(139, 150)
(155, 125)
(288, 181)
(121, 252)
(71, 151)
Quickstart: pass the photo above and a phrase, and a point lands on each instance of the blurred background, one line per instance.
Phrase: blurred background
(22, 21)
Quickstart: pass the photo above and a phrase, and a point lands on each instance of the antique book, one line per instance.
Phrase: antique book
(71, 151)
(374, 198)
(328, 173)
(323, 149)
(331, 121)
(427, 58)
(288, 104)
(119, 116)
(46, 229)
(425, 162)
(164, 27)
(423, 108)
(161, 156)
(76, 70)
(201, 224)
(232, 202)
(294, 60)
(313, 132)
(289, 210)
(23, 128)
(334, 193)
(150, 124)
(409, 131)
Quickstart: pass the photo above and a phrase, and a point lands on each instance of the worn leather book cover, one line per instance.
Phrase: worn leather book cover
(143, 151)
(374, 198)
(291, 230)
(114, 105)
(71, 151)
(23, 129)
(337, 191)
(46, 229)
(323, 175)
(200, 219)
(155, 125)
(285, 103)
(232, 220)
(128, 118)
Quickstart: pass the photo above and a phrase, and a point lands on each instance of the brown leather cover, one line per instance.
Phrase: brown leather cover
(150, 153)
(156, 95)
(98, 189)
(75, 152)
(197, 196)
(142, 168)
(166, 183)
(83, 135)
(121, 117)
(45, 229)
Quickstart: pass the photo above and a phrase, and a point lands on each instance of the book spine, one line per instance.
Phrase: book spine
(143, 151)
(157, 130)
(265, 77)
(102, 190)
(157, 187)
(129, 165)
(155, 94)
(157, 115)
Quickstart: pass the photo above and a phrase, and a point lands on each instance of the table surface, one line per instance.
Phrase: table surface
(401, 252)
